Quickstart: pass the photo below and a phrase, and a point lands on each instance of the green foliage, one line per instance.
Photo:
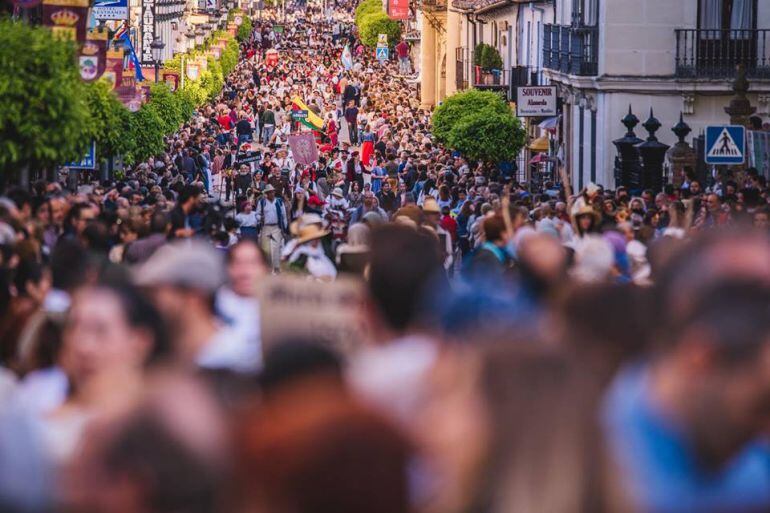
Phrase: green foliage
(244, 31)
(229, 58)
(365, 8)
(146, 128)
(49, 116)
(487, 57)
(480, 125)
(44, 117)
(109, 120)
(167, 106)
(377, 23)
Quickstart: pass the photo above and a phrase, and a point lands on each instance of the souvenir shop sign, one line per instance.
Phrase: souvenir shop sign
(536, 101)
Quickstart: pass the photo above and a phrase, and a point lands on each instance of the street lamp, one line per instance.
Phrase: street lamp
(190, 35)
(157, 53)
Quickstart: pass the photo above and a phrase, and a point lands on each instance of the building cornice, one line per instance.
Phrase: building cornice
(653, 85)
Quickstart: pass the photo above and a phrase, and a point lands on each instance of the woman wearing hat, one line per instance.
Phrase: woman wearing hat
(309, 256)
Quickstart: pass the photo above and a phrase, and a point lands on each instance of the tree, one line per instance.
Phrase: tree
(377, 23)
(110, 120)
(244, 31)
(146, 130)
(365, 8)
(44, 117)
(480, 125)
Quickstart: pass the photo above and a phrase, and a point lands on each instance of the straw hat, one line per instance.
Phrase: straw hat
(337, 192)
(268, 188)
(430, 206)
(304, 220)
(311, 232)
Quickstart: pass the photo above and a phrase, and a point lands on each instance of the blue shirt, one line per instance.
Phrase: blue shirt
(660, 466)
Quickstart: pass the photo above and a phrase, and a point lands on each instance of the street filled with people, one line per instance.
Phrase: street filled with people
(518, 348)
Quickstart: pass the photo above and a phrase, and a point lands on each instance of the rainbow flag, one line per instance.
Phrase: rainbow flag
(313, 120)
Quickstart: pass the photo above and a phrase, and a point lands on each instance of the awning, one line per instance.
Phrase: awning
(540, 144)
(550, 123)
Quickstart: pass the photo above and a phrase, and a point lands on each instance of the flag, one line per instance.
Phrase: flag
(132, 56)
(347, 57)
(303, 148)
(313, 120)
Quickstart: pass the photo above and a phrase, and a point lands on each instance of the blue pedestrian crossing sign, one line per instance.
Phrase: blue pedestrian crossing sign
(382, 53)
(725, 144)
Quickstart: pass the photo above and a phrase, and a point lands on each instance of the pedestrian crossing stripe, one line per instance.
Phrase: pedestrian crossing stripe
(725, 144)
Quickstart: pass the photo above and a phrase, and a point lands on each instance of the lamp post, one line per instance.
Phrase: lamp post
(190, 35)
(157, 53)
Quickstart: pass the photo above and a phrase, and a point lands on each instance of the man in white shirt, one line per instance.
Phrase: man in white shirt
(271, 218)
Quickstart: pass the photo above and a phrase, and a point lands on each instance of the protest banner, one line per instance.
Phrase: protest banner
(293, 307)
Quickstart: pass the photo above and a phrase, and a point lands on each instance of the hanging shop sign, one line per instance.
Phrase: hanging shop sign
(536, 101)
(110, 9)
(148, 32)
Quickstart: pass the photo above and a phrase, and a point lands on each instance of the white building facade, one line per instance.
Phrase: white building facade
(669, 55)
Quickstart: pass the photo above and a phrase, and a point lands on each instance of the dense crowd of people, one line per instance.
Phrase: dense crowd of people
(524, 350)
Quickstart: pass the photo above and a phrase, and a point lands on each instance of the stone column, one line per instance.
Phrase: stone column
(453, 22)
(427, 64)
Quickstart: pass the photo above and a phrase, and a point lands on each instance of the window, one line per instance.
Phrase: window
(727, 14)
(585, 12)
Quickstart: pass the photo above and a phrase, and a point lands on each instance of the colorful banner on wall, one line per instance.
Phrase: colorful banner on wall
(92, 58)
(398, 9)
(113, 71)
(171, 79)
(68, 19)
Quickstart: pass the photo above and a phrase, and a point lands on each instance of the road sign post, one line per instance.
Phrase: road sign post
(726, 145)
(382, 53)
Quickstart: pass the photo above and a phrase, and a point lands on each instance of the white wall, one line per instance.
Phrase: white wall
(612, 107)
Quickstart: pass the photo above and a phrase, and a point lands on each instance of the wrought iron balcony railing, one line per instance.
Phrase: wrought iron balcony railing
(571, 49)
(714, 54)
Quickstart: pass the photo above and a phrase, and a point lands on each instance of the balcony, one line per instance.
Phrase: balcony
(714, 54)
(572, 50)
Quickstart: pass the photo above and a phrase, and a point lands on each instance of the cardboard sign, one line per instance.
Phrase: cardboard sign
(536, 101)
(294, 307)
